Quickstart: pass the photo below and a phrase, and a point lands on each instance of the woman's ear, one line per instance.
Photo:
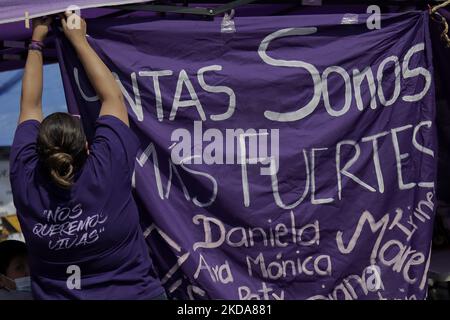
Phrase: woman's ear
(87, 147)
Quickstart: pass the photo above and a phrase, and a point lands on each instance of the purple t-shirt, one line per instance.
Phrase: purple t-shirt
(91, 230)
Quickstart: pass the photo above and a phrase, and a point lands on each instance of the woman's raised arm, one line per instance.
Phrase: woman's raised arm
(98, 73)
(31, 98)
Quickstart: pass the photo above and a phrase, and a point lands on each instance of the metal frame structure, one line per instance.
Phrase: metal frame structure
(201, 8)
(226, 6)
(184, 9)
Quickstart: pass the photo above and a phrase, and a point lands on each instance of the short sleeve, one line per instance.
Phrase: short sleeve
(23, 150)
(115, 141)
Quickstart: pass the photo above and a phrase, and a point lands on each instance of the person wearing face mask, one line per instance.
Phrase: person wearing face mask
(15, 283)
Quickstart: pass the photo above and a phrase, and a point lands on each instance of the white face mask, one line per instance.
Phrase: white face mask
(23, 284)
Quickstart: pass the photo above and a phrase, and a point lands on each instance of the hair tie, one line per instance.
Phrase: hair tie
(36, 45)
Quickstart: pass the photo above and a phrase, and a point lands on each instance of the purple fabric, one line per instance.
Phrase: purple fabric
(14, 10)
(16, 30)
(337, 220)
(93, 227)
(441, 55)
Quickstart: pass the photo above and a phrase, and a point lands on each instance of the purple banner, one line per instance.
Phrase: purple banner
(290, 158)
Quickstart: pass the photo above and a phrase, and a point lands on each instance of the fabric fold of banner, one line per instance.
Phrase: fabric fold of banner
(292, 159)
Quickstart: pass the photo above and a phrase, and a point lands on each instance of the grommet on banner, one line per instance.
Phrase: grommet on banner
(227, 25)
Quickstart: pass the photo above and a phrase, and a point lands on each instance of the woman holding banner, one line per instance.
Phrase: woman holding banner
(74, 201)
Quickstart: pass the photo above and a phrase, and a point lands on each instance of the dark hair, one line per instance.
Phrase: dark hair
(9, 249)
(61, 146)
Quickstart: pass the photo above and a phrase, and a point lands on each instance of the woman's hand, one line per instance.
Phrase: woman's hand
(6, 283)
(40, 28)
(74, 31)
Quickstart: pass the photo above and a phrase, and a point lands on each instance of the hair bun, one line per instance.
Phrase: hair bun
(61, 168)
